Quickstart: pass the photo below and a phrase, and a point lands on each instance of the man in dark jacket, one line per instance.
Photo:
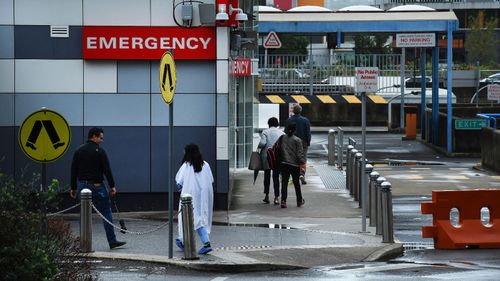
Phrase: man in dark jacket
(89, 164)
(303, 132)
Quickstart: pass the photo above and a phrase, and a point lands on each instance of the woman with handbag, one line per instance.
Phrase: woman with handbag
(267, 139)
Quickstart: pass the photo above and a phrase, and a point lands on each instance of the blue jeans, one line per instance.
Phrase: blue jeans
(100, 198)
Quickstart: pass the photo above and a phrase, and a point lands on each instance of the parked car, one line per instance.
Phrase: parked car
(492, 79)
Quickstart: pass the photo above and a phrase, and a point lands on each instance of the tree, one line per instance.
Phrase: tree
(481, 44)
(368, 44)
(291, 45)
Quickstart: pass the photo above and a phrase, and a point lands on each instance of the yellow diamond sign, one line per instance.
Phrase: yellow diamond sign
(167, 77)
(44, 136)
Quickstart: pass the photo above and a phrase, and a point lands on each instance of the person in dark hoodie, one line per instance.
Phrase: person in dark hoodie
(292, 156)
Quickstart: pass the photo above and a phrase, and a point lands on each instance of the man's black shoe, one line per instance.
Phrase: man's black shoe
(116, 244)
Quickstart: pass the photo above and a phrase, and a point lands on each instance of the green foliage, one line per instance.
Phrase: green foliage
(481, 44)
(291, 45)
(376, 44)
(32, 247)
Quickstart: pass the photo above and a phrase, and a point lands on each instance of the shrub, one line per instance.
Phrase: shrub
(32, 247)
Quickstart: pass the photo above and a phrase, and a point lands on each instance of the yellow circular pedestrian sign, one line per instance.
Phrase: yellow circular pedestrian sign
(167, 77)
(44, 135)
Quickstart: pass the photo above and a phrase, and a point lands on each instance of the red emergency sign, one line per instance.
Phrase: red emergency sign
(148, 43)
(241, 67)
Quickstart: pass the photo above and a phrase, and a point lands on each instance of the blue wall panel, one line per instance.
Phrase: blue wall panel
(133, 77)
(7, 110)
(6, 42)
(192, 77)
(8, 142)
(222, 110)
(204, 137)
(128, 150)
(222, 178)
(34, 42)
(194, 110)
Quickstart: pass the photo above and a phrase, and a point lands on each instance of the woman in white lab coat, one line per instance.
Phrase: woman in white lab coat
(195, 178)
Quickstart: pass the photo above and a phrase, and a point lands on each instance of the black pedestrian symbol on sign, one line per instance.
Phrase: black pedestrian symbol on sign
(167, 71)
(51, 131)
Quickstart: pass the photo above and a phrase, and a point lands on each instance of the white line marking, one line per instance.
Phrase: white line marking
(219, 278)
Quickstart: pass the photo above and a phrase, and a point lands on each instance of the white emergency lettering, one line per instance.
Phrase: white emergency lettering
(152, 43)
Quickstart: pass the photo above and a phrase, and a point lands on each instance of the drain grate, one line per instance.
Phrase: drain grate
(414, 246)
(332, 177)
(247, 247)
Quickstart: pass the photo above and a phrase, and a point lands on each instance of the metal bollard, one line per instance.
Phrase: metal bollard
(357, 175)
(353, 166)
(188, 227)
(331, 147)
(372, 202)
(364, 200)
(348, 167)
(86, 221)
(340, 144)
(378, 223)
(387, 223)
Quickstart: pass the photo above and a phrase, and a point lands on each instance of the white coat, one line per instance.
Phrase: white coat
(199, 186)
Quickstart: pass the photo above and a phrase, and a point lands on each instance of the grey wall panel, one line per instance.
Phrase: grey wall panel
(117, 12)
(204, 137)
(189, 110)
(192, 77)
(99, 76)
(128, 149)
(48, 12)
(222, 110)
(7, 12)
(116, 110)
(159, 110)
(6, 42)
(6, 76)
(70, 106)
(133, 77)
(59, 169)
(6, 110)
(49, 76)
(34, 42)
(194, 110)
(222, 181)
(8, 142)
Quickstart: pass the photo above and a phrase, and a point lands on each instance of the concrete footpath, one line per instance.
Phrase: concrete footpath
(253, 236)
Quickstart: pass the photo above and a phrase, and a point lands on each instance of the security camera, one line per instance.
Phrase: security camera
(241, 17)
(222, 17)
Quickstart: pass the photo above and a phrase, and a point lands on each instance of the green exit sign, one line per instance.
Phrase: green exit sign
(469, 124)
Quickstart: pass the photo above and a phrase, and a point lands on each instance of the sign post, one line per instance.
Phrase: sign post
(366, 81)
(168, 82)
(44, 136)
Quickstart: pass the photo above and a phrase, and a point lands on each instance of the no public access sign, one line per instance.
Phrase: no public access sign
(366, 79)
(44, 135)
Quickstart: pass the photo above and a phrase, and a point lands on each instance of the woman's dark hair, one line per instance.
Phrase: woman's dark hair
(273, 122)
(290, 129)
(192, 155)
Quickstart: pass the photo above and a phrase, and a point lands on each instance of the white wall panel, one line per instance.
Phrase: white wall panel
(117, 12)
(99, 76)
(116, 110)
(160, 8)
(7, 12)
(48, 12)
(6, 76)
(70, 106)
(49, 76)
(222, 43)
(222, 143)
(222, 77)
